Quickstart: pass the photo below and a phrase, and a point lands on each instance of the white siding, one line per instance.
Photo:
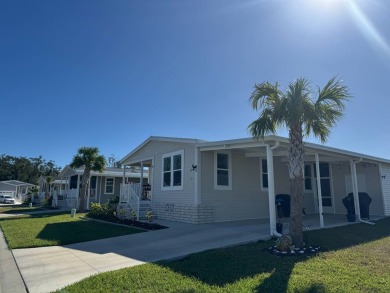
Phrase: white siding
(385, 173)
(155, 150)
(245, 200)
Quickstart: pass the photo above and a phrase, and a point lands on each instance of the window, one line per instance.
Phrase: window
(223, 173)
(326, 190)
(92, 186)
(264, 174)
(172, 172)
(308, 184)
(109, 188)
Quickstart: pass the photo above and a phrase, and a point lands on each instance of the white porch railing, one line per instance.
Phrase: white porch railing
(129, 195)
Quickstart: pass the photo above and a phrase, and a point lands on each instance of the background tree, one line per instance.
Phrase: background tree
(113, 162)
(296, 109)
(27, 170)
(89, 158)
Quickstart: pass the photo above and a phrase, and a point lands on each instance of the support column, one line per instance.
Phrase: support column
(89, 192)
(197, 199)
(319, 193)
(271, 190)
(100, 188)
(141, 180)
(124, 175)
(355, 190)
(78, 192)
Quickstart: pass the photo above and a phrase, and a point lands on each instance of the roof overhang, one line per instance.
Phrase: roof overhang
(257, 148)
(68, 171)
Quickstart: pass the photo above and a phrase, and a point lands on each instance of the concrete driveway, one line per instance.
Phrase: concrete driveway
(46, 269)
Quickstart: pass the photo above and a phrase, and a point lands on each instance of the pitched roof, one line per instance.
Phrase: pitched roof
(162, 139)
(16, 183)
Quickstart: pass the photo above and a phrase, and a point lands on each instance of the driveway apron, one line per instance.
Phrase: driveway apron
(46, 269)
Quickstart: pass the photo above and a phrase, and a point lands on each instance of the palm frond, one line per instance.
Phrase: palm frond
(264, 95)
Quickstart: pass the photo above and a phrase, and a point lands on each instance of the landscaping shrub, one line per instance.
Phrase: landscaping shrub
(102, 211)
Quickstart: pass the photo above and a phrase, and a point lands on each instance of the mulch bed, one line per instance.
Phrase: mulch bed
(306, 251)
(136, 224)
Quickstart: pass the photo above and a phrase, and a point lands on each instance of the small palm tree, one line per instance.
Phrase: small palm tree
(89, 158)
(296, 109)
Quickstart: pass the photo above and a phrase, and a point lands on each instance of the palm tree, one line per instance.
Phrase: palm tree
(89, 158)
(302, 115)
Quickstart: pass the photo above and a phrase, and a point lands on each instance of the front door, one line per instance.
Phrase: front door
(326, 187)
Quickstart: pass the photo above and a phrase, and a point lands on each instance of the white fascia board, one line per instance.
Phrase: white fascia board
(347, 154)
(239, 143)
(229, 145)
(311, 148)
(138, 161)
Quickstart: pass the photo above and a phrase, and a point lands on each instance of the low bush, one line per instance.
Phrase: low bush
(102, 211)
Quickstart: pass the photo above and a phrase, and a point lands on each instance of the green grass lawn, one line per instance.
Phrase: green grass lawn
(357, 259)
(56, 229)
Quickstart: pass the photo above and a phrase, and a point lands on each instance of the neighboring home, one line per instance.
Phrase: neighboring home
(200, 182)
(17, 189)
(102, 186)
(58, 185)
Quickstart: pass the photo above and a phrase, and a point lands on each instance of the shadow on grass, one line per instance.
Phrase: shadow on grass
(350, 235)
(222, 267)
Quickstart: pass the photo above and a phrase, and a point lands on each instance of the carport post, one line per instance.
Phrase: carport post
(355, 189)
(320, 210)
(271, 190)
(124, 175)
(141, 182)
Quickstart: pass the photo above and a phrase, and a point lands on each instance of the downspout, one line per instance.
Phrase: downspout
(271, 189)
(356, 192)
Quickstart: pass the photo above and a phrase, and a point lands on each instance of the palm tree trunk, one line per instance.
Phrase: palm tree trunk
(296, 167)
(84, 183)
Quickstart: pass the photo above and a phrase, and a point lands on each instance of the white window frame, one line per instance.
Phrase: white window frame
(223, 187)
(171, 155)
(113, 185)
(261, 174)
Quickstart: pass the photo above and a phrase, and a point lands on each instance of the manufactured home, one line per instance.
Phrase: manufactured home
(197, 181)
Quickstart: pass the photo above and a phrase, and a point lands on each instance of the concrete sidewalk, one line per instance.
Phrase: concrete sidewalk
(47, 269)
(10, 278)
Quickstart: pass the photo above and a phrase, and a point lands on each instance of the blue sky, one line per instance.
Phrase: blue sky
(112, 73)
